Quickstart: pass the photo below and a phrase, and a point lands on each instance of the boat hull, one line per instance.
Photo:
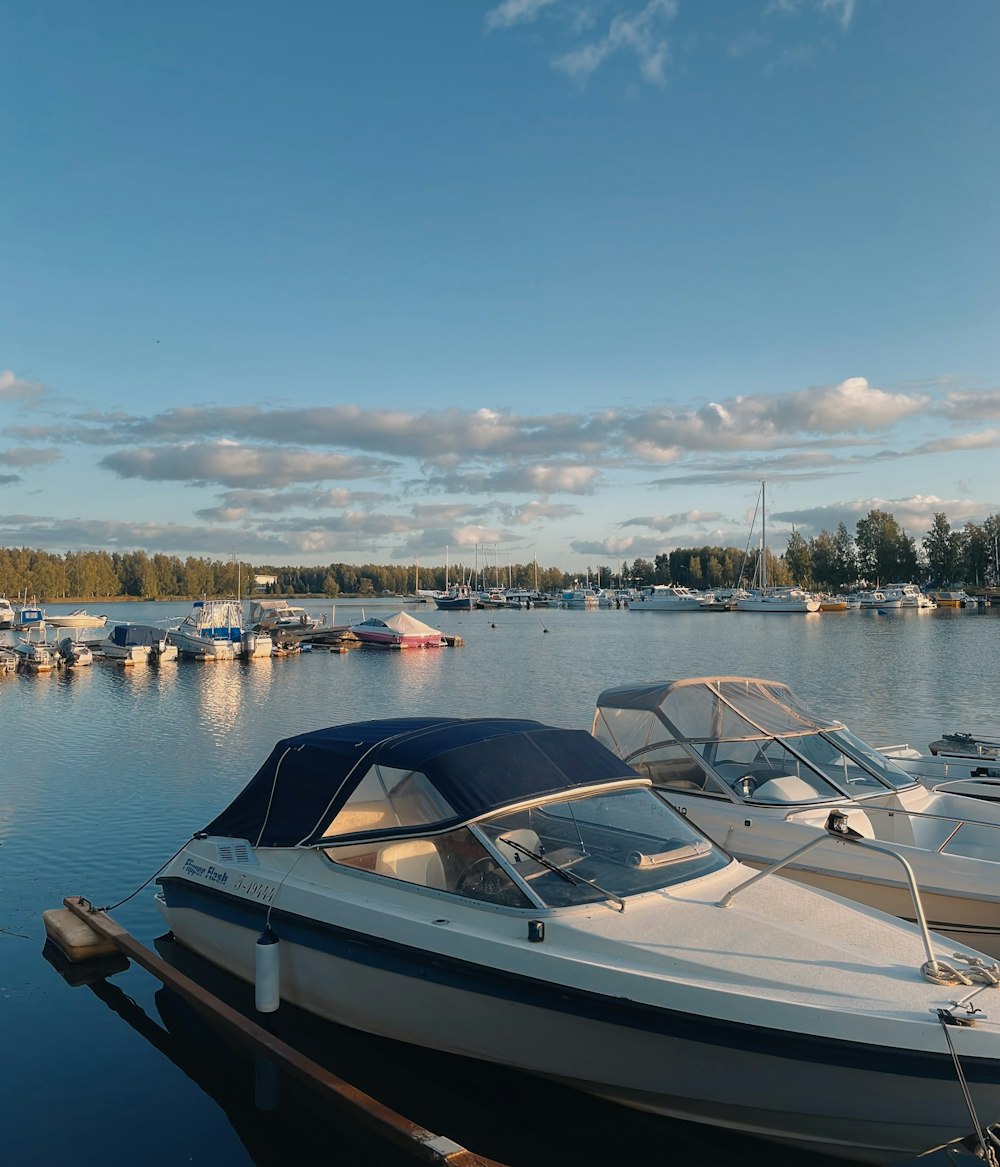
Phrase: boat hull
(398, 641)
(202, 647)
(866, 1102)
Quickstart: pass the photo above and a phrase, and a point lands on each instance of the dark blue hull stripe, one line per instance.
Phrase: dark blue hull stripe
(451, 972)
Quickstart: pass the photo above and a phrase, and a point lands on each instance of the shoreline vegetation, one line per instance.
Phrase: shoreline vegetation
(878, 551)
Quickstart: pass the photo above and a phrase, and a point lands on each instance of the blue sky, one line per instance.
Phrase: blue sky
(365, 282)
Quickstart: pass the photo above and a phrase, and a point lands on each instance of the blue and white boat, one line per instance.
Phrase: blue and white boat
(458, 598)
(137, 644)
(212, 630)
(515, 893)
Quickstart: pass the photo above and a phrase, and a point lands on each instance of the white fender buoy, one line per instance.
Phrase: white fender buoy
(267, 972)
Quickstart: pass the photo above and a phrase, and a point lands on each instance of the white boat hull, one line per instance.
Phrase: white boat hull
(730, 1049)
(201, 647)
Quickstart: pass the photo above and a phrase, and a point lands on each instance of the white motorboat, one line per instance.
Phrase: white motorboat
(280, 618)
(877, 598)
(668, 598)
(910, 596)
(7, 613)
(745, 761)
(78, 618)
(34, 653)
(400, 630)
(514, 893)
(138, 644)
(212, 630)
(587, 598)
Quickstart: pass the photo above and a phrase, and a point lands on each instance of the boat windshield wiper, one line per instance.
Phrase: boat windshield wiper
(562, 872)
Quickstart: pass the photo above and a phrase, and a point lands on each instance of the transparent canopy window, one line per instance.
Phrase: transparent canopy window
(387, 798)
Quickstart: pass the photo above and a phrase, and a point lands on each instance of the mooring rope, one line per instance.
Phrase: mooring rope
(947, 1018)
(112, 907)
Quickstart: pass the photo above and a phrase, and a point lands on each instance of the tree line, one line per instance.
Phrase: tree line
(879, 551)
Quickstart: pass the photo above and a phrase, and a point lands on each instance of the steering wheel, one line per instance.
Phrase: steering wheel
(746, 784)
(482, 877)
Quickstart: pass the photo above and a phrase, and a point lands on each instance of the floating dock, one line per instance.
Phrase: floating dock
(84, 933)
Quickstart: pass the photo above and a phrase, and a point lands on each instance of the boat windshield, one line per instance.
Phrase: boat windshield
(870, 768)
(571, 851)
(602, 846)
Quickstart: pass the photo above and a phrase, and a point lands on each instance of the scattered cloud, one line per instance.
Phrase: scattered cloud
(232, 464)
(640, 35)
(26, 456)
(14, 389)
(512, 12)
(284, 483)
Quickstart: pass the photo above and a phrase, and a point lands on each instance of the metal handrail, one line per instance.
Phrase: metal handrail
(837, 827)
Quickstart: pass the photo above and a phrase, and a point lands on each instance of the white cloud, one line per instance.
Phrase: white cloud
(236, 465)
(13, 389)
(639, 34)
(512, 12)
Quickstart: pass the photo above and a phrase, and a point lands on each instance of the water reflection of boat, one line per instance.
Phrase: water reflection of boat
(761, 774)
(467, 1100)
(513, 892)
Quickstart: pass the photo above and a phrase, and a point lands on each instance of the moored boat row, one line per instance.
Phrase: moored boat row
(522, 895)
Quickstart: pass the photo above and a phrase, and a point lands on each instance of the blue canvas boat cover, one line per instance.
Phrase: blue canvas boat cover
(476, 765)
(129, 635)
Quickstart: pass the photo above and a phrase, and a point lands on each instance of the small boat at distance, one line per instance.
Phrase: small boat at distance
(212, 630)
(70, 653)
(34, 653)
(668, 598)
(79, 618)
(513, 892)
(137, 644)
(401, 630)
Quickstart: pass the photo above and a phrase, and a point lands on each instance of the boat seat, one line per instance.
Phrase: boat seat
(672, 774)
(786, 788)
(412, 860)
(526, 837)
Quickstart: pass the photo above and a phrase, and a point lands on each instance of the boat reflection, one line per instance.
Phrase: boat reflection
(506, 1116)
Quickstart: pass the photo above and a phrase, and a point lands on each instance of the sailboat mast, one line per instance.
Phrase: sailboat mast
(763, 541)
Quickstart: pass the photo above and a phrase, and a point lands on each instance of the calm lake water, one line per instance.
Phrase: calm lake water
(106, 771)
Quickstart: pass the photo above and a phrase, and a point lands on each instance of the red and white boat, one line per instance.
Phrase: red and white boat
(400, 630)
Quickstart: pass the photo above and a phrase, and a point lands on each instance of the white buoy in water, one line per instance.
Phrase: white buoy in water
(267, 972)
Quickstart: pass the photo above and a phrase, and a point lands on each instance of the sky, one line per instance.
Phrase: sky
(383, 282)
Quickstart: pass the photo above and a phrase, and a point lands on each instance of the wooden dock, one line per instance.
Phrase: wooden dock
(422, 1145)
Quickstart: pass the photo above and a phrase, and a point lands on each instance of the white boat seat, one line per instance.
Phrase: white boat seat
(414, 861)
(526, 837)
(786, 788)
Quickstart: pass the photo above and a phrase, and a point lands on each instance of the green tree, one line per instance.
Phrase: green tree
(943, 549)
(884, 550)
(798, 559)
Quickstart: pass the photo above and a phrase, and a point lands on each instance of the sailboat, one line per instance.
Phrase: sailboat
(771, 599)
